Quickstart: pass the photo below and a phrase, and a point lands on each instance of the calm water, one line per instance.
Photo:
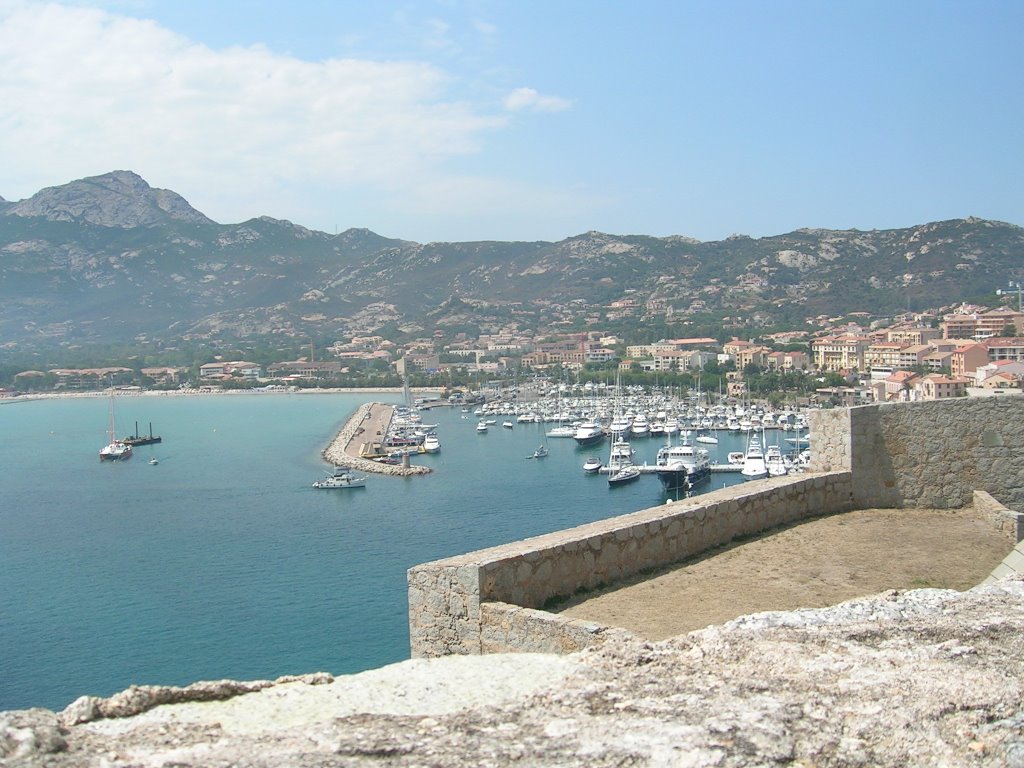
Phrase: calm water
(222, 562)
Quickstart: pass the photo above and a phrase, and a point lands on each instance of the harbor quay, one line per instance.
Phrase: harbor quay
(370, 423)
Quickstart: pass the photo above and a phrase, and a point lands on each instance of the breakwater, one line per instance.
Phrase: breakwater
(373, 419)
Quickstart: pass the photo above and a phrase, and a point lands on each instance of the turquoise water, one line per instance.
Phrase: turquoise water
(222, 561)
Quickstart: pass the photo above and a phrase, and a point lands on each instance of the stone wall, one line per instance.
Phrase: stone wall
(1007, 521)
(452, 602)
(925, 454)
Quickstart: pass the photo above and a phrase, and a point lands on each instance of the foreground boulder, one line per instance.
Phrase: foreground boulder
(926, 677)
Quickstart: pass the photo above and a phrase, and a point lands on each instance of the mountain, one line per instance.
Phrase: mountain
(110, 258)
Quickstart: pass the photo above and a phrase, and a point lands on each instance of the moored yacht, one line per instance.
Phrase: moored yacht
(588, 433)
(754, 466)
(681, 467)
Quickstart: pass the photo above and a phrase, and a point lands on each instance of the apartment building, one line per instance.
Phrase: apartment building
(838, 353)
(967, 358)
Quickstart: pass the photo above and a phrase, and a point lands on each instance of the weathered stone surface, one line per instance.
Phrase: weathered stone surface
(920, 678)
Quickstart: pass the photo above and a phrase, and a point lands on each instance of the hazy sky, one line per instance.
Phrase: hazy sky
(515, 120)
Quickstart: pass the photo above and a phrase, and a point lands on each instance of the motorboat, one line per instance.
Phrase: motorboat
(341, 478)
(431, 444)
(481, 427)
(683, 466)
(623, 476)
(588, 433)
(640, 426)
(562, 431)
(775, 461)
(754, 466)
(154, 460)
(592, 465)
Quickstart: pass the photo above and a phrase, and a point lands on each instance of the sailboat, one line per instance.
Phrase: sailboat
(115, 449)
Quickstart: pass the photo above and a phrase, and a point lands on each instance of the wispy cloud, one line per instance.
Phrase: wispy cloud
(528, 98)
(86, 91)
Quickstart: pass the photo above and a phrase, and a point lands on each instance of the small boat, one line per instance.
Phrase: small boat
(540, 453)
(736, 457)
(706, 439)
(154, 461)
(481, 427)
(507, 424)
(623, 476)
(341, 478)
(592, 465)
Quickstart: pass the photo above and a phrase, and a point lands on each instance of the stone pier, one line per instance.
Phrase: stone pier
(369, 422)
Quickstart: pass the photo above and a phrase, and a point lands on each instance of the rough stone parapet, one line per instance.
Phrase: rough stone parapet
(338, 452)
(1006, 521)
(506, 628)
(446, 597)
(925, 454)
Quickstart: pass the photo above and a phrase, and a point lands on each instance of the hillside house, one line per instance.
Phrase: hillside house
(935, 386)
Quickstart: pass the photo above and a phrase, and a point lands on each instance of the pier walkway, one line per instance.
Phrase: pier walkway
(368, 424)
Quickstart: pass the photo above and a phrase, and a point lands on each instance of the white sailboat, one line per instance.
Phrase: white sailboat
(115, 449)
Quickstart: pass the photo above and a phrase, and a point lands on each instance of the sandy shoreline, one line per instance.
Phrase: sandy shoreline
(205, 393)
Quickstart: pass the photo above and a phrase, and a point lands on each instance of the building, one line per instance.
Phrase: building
(1006, 349)
(839, 353)
(787, 361)
(883, 354)
(305, 369)
(935, 386)
(900, 384)
(982, 325)
(91, 378)
(967, 358)
(417, 362)
(907, 335)
(914, 355)
(1011, 368)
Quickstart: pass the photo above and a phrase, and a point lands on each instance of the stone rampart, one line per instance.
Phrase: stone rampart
(454, 604)
(1007, 521)
(925, 454)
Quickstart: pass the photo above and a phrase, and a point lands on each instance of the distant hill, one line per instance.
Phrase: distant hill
(111, 258)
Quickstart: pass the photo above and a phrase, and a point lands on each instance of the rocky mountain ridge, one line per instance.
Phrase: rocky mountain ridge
(110, 258)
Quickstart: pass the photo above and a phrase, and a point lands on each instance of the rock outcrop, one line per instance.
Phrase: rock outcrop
(925, 677)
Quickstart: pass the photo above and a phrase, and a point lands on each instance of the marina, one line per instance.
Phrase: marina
(177, 589)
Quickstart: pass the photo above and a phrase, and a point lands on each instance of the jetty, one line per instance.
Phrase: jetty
(369, 424)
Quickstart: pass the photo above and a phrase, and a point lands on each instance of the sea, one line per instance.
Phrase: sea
(222, 561)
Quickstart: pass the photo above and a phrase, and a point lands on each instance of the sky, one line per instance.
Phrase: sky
(464, 120)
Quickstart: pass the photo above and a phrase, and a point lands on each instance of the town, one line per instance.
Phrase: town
(848, 360)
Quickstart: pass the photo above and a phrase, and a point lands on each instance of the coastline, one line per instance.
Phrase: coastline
(207, 392)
